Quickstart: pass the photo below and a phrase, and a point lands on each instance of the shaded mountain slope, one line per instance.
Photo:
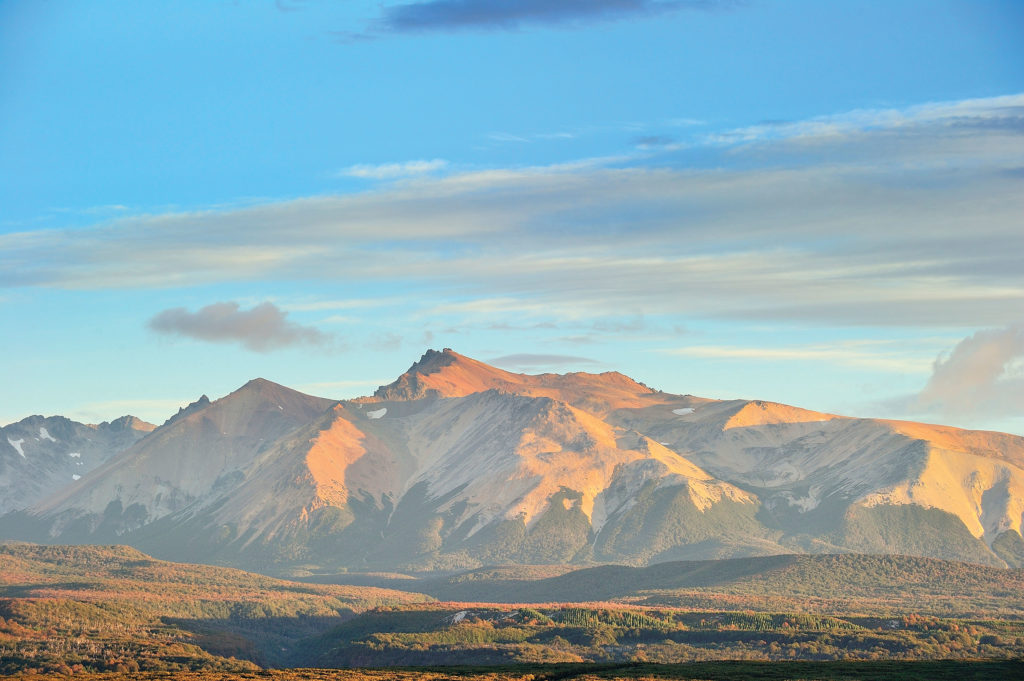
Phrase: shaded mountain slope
(203, 451)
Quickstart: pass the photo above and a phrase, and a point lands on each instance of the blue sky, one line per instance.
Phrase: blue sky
(813, 203)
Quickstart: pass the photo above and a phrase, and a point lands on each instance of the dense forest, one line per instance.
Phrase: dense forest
(947, 670)
(432, 635)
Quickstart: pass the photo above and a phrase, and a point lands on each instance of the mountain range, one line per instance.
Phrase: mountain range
(38, 455)
(459, 464)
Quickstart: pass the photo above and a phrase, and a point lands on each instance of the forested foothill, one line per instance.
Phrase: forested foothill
(113, 610)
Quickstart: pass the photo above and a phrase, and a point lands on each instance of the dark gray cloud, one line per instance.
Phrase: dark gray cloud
(526, 361)
(447, 15)
(263, 328)
(977, 378)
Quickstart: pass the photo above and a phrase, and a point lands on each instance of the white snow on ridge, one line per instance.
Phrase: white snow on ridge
(45, 434)
(75, 455)
(377, 413)
(684, 411)
(76, 476)
(17, 445)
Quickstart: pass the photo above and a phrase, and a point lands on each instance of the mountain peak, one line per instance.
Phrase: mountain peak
(259, 383)
(446, 374)
(261, 386)
(761, 413)
(449, 374)
(433, 361)
(201, 403)
(259, 393)
(128, 422)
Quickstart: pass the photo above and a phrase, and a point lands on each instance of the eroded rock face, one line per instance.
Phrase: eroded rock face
(458, 463)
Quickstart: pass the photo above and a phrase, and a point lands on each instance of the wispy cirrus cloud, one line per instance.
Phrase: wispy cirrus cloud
(879, 356)
(152, 410)
(331, 305)
(905, 218)
(351, 388)
(262, 328)
(992, 113)
(452, 15)
(390, 171)
(534, 362)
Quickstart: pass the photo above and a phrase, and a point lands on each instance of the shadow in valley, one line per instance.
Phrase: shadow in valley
(587, 584)
(267, 641)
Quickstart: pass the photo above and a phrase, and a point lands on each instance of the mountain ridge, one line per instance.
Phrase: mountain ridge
(39, 455)
(458, 463)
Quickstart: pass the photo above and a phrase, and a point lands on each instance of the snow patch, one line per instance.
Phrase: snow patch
(803, 504)
(17, 445)
(75, 455)
(76, 476)
(280, 407)
(377, 413)
(45, 434)
(684, 411)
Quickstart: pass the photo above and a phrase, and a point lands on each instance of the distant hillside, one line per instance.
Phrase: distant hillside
(112, 607)
(101, 572)
(837, 584)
